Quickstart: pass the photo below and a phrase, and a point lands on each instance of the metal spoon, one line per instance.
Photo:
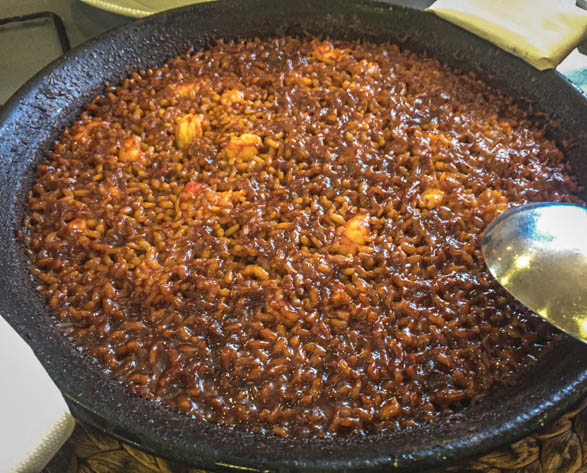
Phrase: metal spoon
(538, 253)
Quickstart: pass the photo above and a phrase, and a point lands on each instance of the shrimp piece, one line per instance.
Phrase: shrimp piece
(130, 151)
(225, 199)
(194, 188)
(187, 129)
(230, 198)
(244, 146)
(326, 53)
(83, 130)
(353, 234)
(206, 200)
(187, 90)
(231, 96)
(431, 199)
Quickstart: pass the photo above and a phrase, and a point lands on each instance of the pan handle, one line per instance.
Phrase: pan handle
(35, 419)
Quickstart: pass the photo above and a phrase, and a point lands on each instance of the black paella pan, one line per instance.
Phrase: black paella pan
(34, 117)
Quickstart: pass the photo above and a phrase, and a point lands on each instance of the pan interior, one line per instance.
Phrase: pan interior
(53, 99)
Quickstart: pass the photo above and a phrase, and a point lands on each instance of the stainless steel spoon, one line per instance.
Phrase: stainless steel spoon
(538, 253)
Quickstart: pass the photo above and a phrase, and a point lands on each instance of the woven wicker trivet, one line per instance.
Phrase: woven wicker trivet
(559, 448)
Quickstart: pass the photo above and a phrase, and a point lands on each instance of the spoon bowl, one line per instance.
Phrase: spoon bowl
(538, 253)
